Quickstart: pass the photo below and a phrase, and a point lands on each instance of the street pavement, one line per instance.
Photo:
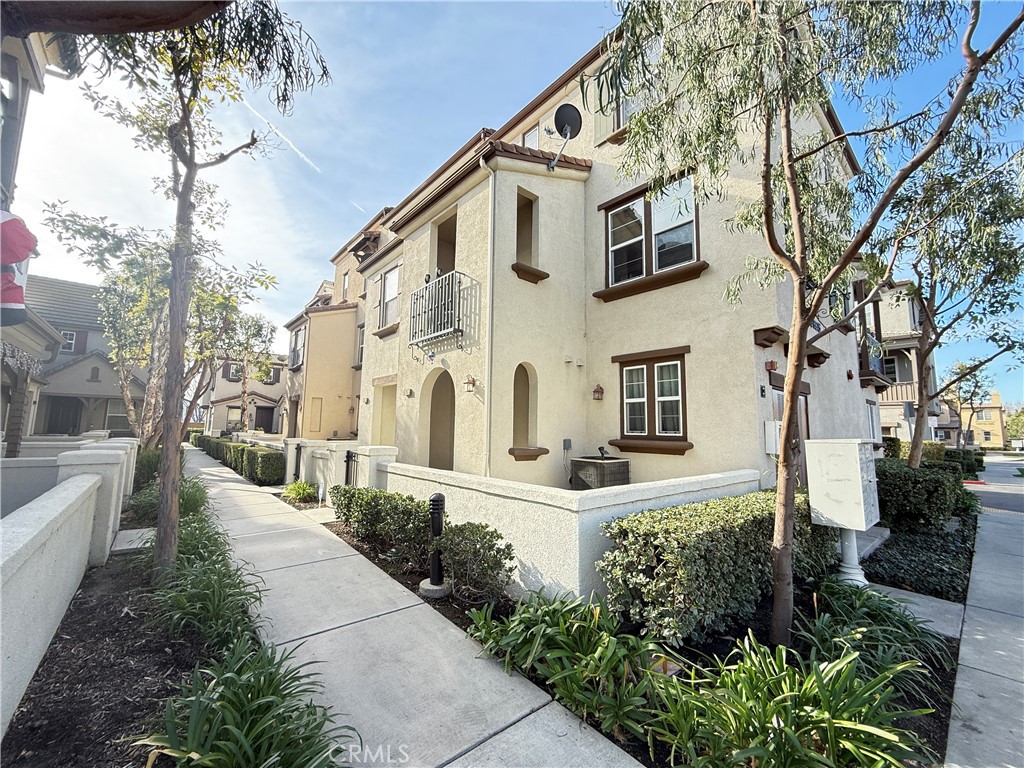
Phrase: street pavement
(1003, 488)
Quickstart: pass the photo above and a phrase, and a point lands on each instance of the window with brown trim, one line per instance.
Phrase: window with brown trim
(531, 139)
(651, 243)
(652, 389)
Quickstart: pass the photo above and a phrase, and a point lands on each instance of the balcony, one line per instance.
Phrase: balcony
(437, 310)
(906, 392)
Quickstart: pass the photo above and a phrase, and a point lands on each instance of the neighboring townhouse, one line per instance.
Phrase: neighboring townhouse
(26, 348)
(525, 307)
(325, 349)
(985, 423)
(947, 429)
(901, 324)
(82, 389)
(223, 400)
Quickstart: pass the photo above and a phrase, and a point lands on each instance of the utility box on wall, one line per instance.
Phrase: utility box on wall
(841, 483)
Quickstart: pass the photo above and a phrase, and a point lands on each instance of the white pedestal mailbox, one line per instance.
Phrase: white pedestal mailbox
(841, 483)
(842, 488)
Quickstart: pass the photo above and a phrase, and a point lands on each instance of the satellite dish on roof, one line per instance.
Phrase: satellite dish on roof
(568, 122)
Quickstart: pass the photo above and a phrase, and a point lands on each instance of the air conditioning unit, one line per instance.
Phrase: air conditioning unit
(772, 437)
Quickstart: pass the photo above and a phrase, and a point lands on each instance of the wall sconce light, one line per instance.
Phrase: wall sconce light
(366, 401)
(351, 410)
(599, 392)
(771, 365)
(469, 384)
(408, 393)
(849, 375)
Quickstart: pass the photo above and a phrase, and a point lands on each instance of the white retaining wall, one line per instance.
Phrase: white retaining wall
(556, 533)
(45, 547)
(24, 479)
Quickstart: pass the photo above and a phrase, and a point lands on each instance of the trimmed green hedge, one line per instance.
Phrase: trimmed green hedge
(264, 466)
(689, 571)
(952, 467)
(396, 526)
(915, 499)
(891, 447)
(930, 451)
(966, 460)
(233, 455)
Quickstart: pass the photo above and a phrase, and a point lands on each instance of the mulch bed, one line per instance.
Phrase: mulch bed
(103, 679)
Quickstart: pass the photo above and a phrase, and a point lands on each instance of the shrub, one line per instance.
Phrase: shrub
(577, 649)
(773, 708)
(269, 466)
(954, 468)
(147, 467)
(979, 460)
(882, 631)
(915, 499)
(936, 563)
(192, 499)
(300, 492)
(930, 450)
(891, 447)
(479, 563)
(216, 447)
(396, 526)
(192, 434)
(255, 707)
(233, 455)
(966, 460)
(687, 571)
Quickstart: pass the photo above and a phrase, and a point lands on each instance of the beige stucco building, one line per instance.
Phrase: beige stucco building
(519, 315)
(321, 401)
(222, 402)
(900, 360)
(985, 423)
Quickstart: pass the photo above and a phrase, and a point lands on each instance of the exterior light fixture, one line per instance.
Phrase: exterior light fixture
(771, 365)
(599, 392)
(849, 374)
(469, 384)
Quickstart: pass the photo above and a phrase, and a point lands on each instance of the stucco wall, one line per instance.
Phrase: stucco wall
(25, 479)
(45, 548)
(556, 533)
(330, 354)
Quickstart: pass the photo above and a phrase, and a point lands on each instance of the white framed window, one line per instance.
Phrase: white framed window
(235, 372)
(872, 419)
(986, 437)
(234, 415)
(344, 287)
(985, 415)
(646, 237)
(634, 400)
(889, 367)
(531, 138)
(389, 297)
(360, 342)
(668, 399)
(297, 347)
(69, 341)
(117, 416)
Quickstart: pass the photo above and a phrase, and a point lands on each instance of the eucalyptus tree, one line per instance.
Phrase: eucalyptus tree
(181, 74)
(717, 86)
(969, 386)
(248, 344)
(965, 213)
(133, 300)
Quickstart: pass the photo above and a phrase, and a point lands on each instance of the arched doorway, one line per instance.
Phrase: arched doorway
(440, 436)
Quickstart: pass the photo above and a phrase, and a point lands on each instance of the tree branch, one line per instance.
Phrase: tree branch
(977, 366)
(223, 157)
(863, 132)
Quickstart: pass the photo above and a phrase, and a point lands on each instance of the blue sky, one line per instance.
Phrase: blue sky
(412, 82)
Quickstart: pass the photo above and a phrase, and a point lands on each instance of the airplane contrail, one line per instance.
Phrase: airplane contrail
(357, 205)
(281, 136)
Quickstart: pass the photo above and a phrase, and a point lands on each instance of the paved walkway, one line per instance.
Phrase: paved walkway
(987, 728)
(407, 679)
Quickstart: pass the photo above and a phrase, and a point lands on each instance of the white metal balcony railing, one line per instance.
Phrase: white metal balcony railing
(436, 310)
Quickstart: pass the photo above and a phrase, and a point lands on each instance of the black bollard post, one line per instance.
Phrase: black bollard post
(350, 458)
(436, 525)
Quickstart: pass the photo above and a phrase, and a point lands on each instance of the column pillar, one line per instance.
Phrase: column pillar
(109, 465)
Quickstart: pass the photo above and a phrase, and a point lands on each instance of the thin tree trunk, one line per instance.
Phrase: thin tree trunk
(924, 370)
(165, 550)
(788, 468)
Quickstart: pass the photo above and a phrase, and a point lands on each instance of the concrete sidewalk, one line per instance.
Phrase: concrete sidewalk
(987, 727)
(407, 679)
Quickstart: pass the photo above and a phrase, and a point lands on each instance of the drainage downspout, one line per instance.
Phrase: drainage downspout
(489, 381)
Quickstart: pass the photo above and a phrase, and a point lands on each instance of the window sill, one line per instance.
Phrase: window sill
(616, 137)
(681, 274)
(529, 274)
(647, 445)
(527, 454)
(386, 331)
